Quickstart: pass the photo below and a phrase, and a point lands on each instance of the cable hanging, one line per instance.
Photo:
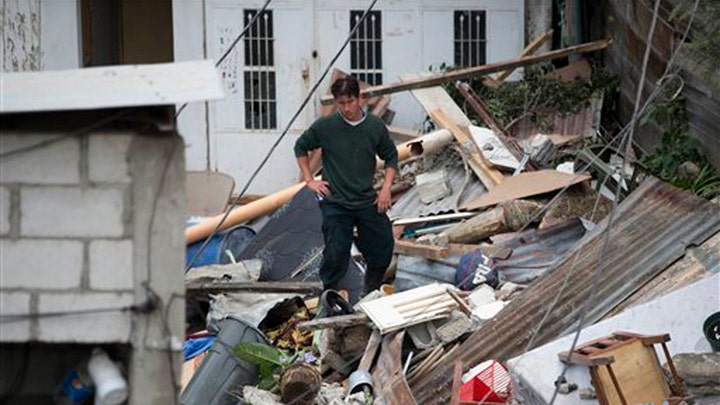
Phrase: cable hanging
(281, 137)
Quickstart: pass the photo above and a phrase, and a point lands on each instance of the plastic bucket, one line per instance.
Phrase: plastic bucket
(221, 373)
(711, 328)
(235, 240)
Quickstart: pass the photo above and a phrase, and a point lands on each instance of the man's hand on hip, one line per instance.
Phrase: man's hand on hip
(319, 186)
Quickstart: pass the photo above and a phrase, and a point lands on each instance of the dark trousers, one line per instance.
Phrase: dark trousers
(375, 241)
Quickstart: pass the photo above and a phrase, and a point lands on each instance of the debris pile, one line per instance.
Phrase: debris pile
(508, 237)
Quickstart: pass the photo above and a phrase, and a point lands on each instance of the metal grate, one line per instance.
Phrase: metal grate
(366, 47)
(259, 73)
(470, 37)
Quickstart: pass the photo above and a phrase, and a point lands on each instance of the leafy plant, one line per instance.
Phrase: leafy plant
(677, 151)
(269, 360)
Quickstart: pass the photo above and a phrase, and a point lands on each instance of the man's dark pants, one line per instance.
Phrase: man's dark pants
(375, 241)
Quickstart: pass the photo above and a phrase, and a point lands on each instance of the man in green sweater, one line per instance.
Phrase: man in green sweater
(351, 139)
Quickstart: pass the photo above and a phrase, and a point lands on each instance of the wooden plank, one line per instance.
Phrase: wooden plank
(487, 173)
(578, 70)
(474, 71)
(340, 321)
(528, 50)
(409, 307)
(526, 185)
(254, 286)
(457, 382)
(436, 98)
(637, 372)
(415, 249)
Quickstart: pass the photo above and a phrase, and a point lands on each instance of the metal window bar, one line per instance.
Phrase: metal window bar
(366, 47)
(259, 74)
(470, 38)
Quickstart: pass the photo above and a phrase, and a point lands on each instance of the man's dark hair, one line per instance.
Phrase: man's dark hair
(346, 86)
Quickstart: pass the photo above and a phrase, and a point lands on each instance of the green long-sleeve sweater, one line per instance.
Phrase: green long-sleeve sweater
(349, 156)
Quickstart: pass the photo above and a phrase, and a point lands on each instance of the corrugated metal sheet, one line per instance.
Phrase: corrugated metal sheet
(535, 251)
(410, 206)
(652, 228)
(109, 87)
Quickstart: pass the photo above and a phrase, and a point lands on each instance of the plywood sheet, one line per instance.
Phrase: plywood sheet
(525, 185)
(436, 98)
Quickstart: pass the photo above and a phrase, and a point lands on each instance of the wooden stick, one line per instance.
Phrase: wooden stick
(457, 382)
(253, 286)
(340, 321)
(484, 112)
(461, 302)
(451, 76)
(528, 50)
(415, 249)
(486, 172)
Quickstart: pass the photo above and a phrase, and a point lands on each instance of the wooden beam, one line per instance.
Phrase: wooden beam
(416, 249)
(340, 321)
(474, 71)
(253, 286)
(527, 51)
(486, 172)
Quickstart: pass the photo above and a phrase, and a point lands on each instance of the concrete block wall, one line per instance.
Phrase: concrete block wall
(87, 224)
(66, 239)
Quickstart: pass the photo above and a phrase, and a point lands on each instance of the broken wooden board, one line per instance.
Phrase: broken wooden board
(200, 286)
(409, 307)
(416, 249)
(477, 71)
(525, 185)
(436, 98)
(340, 321)
(578, 70)
(487, 173)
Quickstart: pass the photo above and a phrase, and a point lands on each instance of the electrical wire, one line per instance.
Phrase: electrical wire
(232, 46)
(280, 138)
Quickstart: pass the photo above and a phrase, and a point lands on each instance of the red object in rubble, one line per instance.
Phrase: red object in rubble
(487, 382)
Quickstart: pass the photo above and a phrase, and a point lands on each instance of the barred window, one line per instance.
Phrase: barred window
(470, 37)
(366, 47)
(259, 72)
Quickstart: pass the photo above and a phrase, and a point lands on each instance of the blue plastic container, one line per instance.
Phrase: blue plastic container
(235, 240)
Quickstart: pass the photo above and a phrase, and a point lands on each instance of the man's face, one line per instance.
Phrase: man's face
(349, 107)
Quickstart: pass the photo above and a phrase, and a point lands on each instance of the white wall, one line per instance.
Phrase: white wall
(39, 35)
(417, 34)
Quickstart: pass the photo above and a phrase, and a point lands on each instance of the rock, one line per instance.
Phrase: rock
(699, 369)
(587, 393)
(566, 388)
(255, 396)
(457, 325)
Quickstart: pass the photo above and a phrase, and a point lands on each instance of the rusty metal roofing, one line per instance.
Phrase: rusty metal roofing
(535, 251)
(410, 205)
(651, 229)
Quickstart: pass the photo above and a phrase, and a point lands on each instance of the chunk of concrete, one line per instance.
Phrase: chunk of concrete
(699, 370)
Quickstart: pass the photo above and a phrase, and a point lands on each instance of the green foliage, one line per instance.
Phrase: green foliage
(677, 151)
(537, 97)
(269, 360)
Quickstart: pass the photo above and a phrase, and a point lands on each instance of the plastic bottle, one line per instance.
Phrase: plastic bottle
(110, 384)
